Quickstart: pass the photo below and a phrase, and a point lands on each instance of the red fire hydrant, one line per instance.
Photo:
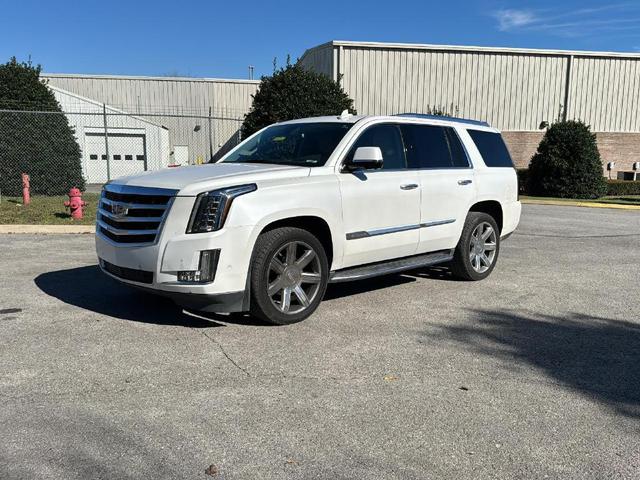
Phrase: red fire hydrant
(75, 203)
(26, 196)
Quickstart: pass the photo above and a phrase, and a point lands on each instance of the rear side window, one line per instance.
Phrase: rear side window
(492, 148)
(430, 146)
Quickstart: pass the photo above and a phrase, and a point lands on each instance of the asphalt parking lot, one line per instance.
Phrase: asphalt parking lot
(532, 373)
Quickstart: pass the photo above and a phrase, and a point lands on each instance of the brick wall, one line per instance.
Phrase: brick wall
(622, 148)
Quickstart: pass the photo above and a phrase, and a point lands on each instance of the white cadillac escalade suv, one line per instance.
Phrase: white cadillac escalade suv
(307, 202)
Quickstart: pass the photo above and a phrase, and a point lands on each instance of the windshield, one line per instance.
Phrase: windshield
(301, 144)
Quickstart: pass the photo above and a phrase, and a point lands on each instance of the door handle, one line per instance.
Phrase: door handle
(408, 186)
(464, 182)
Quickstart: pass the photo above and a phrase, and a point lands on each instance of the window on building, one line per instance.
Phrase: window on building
(139, 157)
(128, 157)
(104, 157)
(117, 157)
(492, 148)
(388, 139)
(93, 157)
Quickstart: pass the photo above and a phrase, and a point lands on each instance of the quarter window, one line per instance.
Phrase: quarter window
(388, 139)
(492, 148)
(432, 146)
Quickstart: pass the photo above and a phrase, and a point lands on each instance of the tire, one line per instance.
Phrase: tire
(475, 256)
(287, 282)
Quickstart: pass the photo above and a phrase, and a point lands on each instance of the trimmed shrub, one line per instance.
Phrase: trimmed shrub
(622, 187)
(294, 92)
(567, 163)
(40, 144)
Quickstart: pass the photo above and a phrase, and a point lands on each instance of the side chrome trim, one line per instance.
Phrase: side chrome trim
(437, 222)
(402, 228)
(381, 231)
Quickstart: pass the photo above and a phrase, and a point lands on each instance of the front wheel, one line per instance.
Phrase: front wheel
(289, 275)
(477, 251)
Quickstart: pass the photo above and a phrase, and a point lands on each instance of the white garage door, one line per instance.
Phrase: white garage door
(127, 154)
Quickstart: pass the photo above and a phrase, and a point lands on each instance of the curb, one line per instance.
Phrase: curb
(580, 204)
(47, 229)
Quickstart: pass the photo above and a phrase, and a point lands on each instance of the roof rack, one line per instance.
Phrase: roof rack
(443, 117)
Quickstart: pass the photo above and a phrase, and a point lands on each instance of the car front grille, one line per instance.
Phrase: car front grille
(140, 276)
(133, 215)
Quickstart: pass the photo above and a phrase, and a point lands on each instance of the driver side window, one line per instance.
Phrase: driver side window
(387, 138)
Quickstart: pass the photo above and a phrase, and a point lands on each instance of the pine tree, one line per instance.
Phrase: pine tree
(294, 92)
(42, 145)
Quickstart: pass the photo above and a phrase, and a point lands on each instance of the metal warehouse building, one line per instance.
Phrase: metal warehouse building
(151, 122)
(513, 89)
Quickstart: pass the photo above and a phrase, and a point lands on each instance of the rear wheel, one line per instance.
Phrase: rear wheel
(477, 251)
(288, 276)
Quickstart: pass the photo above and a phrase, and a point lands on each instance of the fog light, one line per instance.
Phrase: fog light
(206, 269)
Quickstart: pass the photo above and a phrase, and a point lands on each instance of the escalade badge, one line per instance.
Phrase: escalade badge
(119, 210)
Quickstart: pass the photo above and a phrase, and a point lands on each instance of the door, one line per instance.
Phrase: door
(127, 156)
(381, 208)
(447, 182)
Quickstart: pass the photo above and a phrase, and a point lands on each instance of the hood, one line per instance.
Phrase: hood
(194, 179)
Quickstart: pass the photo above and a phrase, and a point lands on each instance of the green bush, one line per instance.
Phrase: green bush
(622, 187)
(567, 163)
(40, 144)
(294, 92)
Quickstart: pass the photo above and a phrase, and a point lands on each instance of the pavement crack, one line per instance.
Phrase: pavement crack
(227, 356)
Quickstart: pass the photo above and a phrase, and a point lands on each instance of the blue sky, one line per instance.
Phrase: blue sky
(221, 38)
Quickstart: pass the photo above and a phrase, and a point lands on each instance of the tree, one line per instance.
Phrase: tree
(40, 144)
(294, 92)
(567, 163)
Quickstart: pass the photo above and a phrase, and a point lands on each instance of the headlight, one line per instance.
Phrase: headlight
(211, 208)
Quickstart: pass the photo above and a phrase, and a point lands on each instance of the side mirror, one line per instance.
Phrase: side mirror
(367, 158)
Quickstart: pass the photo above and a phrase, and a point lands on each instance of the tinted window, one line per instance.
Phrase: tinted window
(492, 148)
(458, 155)
(388, 139)
(302, 144)
(430, 146)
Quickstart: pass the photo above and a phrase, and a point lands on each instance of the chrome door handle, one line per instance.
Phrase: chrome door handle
(464, 182)
(409, 186)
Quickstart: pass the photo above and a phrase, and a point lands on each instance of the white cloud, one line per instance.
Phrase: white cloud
(510, 19)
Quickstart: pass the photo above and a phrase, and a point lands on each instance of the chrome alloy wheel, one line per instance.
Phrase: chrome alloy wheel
(482, 248)
(293, 277)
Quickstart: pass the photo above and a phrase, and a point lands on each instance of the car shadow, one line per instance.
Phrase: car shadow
(87, 287)
(594, 356)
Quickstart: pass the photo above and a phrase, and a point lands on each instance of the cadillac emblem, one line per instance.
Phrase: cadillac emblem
(118, 210)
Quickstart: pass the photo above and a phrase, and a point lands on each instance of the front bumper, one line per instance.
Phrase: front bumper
(154, 267)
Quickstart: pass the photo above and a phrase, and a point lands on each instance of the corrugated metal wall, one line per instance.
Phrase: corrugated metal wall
(511, 89)
(605, 92)
(320, 59)
(179, 104)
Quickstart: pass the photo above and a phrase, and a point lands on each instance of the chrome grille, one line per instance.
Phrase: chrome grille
(133, 215)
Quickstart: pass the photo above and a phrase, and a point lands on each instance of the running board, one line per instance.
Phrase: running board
(390, 266)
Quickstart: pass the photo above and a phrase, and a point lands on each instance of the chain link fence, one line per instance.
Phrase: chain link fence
(89, 144)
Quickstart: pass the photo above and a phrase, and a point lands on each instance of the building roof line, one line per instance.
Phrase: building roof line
(472, 49)
(139, 77)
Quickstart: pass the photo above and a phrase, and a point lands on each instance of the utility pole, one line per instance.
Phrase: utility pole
(106, 140)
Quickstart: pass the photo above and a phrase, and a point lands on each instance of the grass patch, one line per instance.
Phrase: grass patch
(46, 211)
(625, 200)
